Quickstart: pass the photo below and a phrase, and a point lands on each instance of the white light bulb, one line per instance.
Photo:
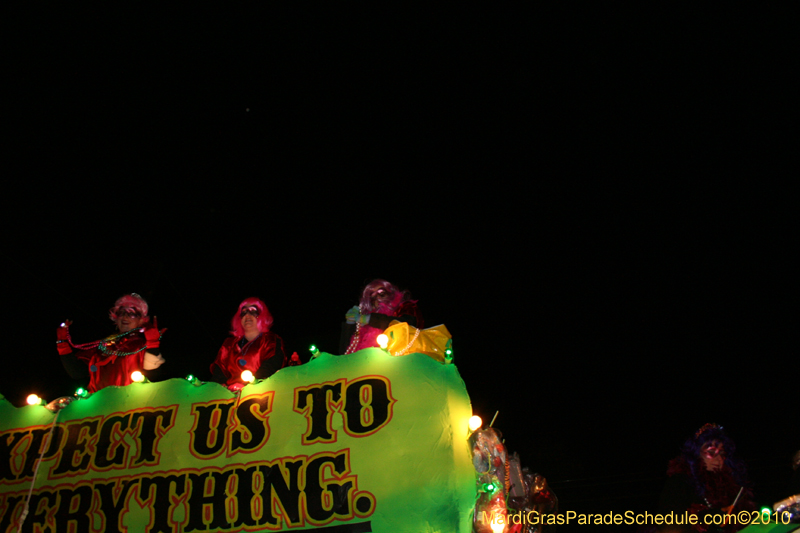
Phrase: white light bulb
(248, 376)
(475, 422)
(32, 399)
(383, 341)
(137, 376)
(498, 526)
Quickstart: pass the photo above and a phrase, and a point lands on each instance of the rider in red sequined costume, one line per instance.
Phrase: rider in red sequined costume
(111, 361)
(252, 346)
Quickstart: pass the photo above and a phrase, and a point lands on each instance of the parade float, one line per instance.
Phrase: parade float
(377, 440)
(371, 441)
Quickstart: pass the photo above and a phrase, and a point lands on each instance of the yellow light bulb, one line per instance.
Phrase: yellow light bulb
(383, 341)
(137, 376)
(475, 422)
(32, 399)
(248, 376)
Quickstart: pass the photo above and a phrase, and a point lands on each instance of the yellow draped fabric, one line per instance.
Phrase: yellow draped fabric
(405, 339)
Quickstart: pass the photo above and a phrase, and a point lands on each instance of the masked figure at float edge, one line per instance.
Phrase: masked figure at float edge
(381, 303)
(111, 361)
(251, 346)
(705, 480)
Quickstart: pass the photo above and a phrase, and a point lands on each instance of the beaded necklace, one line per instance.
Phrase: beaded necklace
(109, 341)
(104, 345)
(356, 335)
(408, 346)
(354, 342)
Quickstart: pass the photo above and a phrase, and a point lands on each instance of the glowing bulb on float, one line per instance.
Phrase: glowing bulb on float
(137, 376)
(33, 399)
(81, 392)
(383, 341)
(497, 525)
(314, 350)
(475, 422)
(248, 376)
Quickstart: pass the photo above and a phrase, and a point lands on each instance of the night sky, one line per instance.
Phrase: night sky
(595, 203)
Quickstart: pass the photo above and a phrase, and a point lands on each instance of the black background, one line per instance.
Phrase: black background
(595, 202)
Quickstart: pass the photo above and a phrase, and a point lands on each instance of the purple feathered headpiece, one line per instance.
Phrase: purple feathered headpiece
(691, 453)
(382, 297)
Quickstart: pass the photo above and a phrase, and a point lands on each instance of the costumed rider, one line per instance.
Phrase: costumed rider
(111, 361)
(705, 480)
(788, 509)
(381, 303)
(251, 346)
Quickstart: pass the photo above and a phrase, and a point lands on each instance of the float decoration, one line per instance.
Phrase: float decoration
(510, 498)
(403, 338)
(366, 442)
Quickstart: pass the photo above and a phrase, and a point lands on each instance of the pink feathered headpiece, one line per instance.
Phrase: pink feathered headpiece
(264, 317)
(131, 300)
(381, 296)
